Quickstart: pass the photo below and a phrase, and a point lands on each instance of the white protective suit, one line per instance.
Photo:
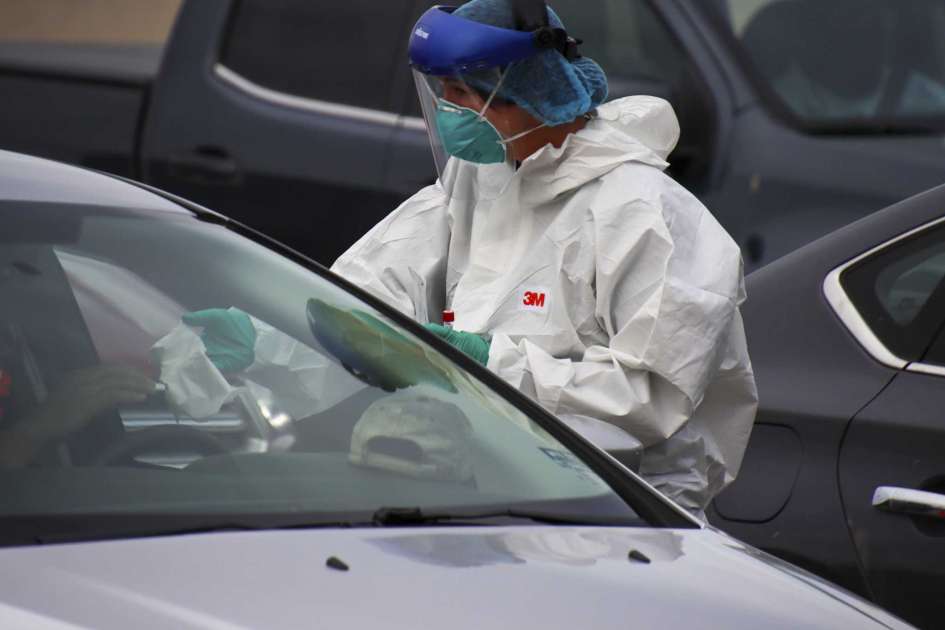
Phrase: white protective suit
(608, 290)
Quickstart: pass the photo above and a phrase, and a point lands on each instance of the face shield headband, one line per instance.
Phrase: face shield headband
(443, 44)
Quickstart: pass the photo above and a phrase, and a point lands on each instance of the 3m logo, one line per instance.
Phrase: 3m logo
(421, 33)
(534, 300)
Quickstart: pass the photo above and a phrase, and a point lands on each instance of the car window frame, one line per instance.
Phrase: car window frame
(389, 116)
(850, 316)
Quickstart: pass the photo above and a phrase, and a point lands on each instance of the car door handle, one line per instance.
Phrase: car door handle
(908, 501)
(205, 164)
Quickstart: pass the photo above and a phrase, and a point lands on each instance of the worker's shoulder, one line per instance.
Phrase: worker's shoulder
(644, 187)
(642, 183)
(427, 204)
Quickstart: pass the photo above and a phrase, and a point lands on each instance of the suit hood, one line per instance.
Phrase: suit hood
(641, 129)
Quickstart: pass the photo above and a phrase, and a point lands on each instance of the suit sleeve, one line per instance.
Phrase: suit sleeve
(402, 260)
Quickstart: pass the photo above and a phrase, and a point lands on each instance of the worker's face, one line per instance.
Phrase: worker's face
(506, 116)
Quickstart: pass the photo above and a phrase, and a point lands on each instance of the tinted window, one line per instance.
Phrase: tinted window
(846, 61)
(342, 51)
(898, 291)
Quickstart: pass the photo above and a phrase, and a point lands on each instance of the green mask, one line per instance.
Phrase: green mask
(467, 135)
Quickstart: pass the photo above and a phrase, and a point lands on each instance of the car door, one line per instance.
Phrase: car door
(279, 113)
(892, 460)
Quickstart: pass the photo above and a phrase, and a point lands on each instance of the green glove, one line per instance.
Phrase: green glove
(228, 335)
(473, 345)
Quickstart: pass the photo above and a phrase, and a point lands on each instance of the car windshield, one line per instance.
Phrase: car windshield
(280, 397)
(858, 65)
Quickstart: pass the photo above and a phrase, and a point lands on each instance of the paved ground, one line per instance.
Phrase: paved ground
(118, 21)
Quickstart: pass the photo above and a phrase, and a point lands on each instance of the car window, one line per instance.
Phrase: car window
(341, 51)
(279, 393)
(629, 40)
(898, 292)
(871, 63)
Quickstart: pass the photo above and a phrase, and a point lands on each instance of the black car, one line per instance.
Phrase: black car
(845, 471)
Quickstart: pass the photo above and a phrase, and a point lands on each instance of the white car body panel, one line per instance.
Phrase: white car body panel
(460, 577)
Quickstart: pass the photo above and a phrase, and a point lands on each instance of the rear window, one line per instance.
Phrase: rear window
(898, 292)
(341, 51)
(873, 65)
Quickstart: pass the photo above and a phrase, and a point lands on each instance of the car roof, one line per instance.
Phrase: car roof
(847, 242)
(32, 179)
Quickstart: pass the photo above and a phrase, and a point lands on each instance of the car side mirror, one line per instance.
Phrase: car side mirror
(619, 444)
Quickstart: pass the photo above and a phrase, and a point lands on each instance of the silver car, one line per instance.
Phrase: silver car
(356, 472)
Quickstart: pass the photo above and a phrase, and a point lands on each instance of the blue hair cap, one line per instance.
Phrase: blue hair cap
(544, 83)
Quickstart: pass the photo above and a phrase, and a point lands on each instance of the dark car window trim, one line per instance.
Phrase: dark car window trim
(645, 500)
(844, 308)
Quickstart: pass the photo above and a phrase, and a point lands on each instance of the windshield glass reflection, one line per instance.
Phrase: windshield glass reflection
(162, 365)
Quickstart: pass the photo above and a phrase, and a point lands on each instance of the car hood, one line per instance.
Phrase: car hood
(530, 577)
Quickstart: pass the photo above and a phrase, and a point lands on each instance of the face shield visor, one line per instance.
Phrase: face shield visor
(466, 118)
(459, 66)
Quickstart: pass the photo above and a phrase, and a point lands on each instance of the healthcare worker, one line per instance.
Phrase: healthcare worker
(577, 270)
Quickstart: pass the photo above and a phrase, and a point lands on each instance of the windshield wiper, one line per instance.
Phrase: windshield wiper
(414, 516)
(103, 531)
(89, 528)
